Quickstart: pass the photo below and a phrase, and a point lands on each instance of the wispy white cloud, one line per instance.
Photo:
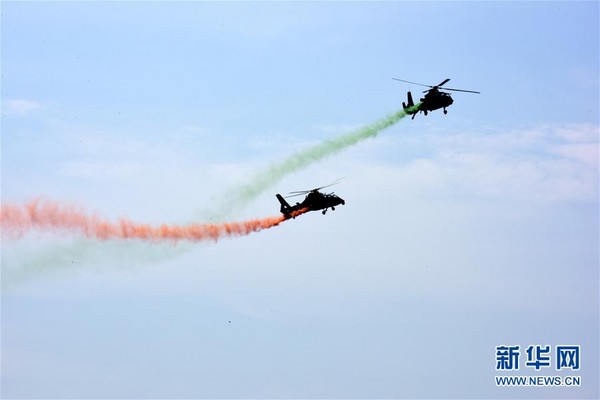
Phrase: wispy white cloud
(545, 163)
(20, 106)
(578, 133)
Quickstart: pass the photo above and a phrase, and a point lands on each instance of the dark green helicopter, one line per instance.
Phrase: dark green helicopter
(313, 201)
(434, 99)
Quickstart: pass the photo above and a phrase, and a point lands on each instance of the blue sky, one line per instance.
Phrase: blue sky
(460, 233)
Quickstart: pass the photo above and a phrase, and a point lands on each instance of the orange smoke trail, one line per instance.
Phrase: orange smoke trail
(16, 220)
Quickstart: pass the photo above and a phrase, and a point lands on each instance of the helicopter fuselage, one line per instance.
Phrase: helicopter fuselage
(313, 201)
(435, 101)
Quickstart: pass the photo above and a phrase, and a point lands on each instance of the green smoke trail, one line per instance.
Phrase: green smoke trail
(263, 180)
(21, 265)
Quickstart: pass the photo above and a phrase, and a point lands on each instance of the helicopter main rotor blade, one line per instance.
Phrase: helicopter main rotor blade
(437, 86)
(414, 83)
(331, 184)
(299, 192)
(462, 90)
(294, 195)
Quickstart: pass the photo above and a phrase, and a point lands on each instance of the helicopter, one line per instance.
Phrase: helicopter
(433, 99)
(313, 201)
